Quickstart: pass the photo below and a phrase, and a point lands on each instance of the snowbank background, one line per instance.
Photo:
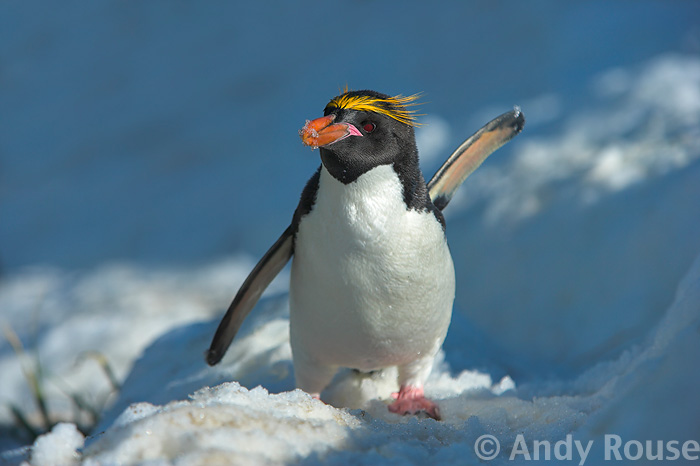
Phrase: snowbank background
(148, 157)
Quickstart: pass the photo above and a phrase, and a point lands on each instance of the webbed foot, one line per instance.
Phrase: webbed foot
(412, 400)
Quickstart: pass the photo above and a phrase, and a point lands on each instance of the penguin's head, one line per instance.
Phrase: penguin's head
(361, 130)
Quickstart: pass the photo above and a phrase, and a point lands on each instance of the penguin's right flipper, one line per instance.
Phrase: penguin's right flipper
(264, 272)
(471, 153)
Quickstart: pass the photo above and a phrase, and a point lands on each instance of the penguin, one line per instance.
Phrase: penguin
(372, 280)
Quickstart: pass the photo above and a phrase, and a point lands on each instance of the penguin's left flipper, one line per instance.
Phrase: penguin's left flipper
(264, 272)
(471, 153)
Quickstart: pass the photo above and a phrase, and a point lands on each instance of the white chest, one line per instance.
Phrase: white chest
(372, 282)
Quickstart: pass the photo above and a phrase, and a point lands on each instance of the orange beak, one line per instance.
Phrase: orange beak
(320, 132)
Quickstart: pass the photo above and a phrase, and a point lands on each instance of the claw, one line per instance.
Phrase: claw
(411, 400)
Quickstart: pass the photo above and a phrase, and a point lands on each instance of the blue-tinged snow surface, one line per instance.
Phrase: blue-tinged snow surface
(149, 156)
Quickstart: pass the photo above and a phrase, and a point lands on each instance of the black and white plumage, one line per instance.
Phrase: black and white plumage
(372, 280)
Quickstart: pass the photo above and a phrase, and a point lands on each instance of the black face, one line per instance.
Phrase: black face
(384, 141)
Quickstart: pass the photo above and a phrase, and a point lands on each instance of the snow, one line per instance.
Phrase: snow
(576, 246)
(229, 423)
(75, 319)
(633, 134)
(58, 446)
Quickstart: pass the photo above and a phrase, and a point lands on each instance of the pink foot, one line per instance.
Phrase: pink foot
(411, 400)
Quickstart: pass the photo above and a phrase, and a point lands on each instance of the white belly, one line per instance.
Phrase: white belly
(372, 283)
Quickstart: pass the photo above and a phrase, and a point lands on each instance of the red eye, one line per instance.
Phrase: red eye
(369, 127)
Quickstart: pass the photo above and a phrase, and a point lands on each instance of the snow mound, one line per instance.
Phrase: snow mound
(225, 424)
(58, 446)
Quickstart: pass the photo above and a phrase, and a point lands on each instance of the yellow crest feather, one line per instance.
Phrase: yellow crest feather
(393, 107)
